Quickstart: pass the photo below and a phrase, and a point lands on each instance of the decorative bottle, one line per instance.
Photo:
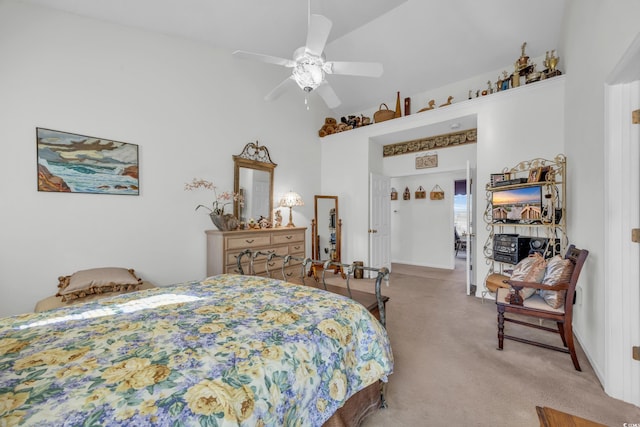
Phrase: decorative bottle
(398, 108)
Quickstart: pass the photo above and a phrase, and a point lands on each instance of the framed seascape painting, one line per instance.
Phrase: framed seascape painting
(72, 163)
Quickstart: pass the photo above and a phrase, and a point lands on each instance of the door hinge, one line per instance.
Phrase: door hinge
(635, 117)
(636, 353)
(635, 235)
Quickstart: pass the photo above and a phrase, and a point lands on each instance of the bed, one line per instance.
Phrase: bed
(226, 351)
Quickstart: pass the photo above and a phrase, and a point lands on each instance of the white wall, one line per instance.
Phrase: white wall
(596, 35)
(432, 220)
(514, 125)
(422, 229)
(188, 106)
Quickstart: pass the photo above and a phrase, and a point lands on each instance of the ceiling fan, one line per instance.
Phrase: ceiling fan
(310, 66)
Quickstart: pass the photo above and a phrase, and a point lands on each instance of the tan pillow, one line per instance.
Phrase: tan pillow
(529, 269)
(559, 270)
(97, 281)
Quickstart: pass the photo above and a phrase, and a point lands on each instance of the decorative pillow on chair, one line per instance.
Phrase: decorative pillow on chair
(529, 269)
(97, 281)
(559, 270)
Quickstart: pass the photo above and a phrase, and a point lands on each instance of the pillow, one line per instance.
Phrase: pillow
(559, 270)
(529, 269)
(97, 281)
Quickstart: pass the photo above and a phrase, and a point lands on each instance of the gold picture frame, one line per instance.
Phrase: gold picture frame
(534, 175)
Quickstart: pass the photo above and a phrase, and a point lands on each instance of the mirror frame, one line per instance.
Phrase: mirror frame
(253, 156)
(338, 223)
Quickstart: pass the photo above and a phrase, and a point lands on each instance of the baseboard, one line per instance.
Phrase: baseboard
(596, 368)
(414, 264)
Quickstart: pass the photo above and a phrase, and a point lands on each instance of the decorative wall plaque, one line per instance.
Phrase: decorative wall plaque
(430, 143)
(428, 161)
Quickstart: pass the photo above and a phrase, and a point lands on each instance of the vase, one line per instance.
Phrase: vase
(224, 222)
(398, 112)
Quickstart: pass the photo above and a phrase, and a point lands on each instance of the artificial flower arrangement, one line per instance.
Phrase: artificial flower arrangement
(220, 201)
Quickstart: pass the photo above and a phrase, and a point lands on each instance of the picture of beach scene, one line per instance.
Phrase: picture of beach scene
(72, 163)
(520, 204)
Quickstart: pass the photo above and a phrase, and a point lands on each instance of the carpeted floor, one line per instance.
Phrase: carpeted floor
(449, 373)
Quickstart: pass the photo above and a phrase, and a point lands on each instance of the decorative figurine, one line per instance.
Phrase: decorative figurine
(278, 218)
(449, 99)
(523, 61)
(263, 222)
(515, 77)
(553, 61)
(505, 81)
(431, 106)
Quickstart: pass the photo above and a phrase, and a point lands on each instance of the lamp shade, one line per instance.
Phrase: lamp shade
(291, 199)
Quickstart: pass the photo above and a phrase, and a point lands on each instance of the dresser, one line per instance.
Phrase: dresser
(223, 248)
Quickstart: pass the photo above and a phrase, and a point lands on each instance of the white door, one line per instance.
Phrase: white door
(471, 235)
(621, 254)
(379, 221)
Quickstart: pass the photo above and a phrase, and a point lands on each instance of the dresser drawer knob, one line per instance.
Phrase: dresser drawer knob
(289, 237)
(249, 241)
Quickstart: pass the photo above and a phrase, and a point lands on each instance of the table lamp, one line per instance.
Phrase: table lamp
(290, 200)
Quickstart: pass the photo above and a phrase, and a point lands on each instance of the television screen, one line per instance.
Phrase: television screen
(517, 205)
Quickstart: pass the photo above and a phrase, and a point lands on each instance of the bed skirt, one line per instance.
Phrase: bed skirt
(357, 408)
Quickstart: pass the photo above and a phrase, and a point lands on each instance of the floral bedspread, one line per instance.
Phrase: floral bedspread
(227, 351)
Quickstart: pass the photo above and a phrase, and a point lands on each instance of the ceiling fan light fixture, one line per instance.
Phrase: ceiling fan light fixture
(308, 72)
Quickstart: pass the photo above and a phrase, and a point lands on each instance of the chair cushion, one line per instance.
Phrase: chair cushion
(534, 302)
(559, 270)
(529, 269)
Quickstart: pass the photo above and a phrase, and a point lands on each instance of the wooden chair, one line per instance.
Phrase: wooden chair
(536, 307)
(460, 244)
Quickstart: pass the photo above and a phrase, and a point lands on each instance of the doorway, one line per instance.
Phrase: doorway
(460, 221)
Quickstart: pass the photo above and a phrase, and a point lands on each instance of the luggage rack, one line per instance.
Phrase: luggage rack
(348, 269)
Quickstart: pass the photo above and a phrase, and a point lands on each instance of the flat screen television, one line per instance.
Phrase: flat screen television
(517, 205)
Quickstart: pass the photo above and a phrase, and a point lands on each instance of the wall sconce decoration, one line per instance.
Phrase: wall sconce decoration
(289, 200)
(394, 194)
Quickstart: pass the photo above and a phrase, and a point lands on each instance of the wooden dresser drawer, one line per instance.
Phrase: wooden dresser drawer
(292, 274)
(247, 242)
(283, 238)
(296, 249)
(260, 265)
(224, 247)
(232, 256)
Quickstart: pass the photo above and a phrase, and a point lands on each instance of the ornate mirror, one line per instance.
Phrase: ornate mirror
(326, 230)
(253, 179)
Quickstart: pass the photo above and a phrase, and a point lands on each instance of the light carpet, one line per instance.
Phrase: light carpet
(449, 373)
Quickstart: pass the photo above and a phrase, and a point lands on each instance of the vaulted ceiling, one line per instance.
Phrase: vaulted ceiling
(422, 44)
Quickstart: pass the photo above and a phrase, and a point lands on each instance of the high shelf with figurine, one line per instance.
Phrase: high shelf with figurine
(525, 213)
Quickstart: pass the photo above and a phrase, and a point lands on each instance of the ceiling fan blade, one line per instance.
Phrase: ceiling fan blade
(328, 94)
(265, 58)
(367, 69)
(279, 90)
(319, 28)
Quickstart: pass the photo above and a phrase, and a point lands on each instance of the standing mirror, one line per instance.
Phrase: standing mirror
(326, 230)
(253, 179)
